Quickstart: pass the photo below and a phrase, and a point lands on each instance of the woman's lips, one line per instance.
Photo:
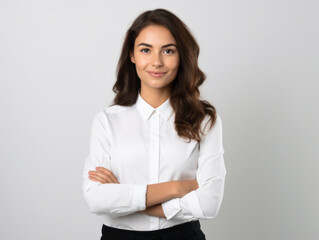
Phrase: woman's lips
(157, 74)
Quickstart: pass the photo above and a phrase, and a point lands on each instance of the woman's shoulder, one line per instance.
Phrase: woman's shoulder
(208, 117)
(109, 114)
(205, 124)
(113, 110)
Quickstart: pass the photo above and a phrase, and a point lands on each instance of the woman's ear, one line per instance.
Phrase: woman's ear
(132, 57)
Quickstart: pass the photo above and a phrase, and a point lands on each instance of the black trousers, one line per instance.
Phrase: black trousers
(185, 231)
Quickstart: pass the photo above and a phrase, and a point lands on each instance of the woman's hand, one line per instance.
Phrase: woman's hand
(102, 175)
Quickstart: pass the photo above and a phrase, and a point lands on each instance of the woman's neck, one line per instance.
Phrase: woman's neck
(155, 97)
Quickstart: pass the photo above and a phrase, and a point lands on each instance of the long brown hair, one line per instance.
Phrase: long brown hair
(189, 110)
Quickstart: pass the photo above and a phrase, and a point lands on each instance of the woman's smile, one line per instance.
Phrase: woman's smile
(156, 74)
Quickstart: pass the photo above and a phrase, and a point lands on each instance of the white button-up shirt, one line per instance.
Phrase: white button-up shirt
(140, 146)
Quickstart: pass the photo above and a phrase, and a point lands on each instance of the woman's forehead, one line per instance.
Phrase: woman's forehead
(155, 35)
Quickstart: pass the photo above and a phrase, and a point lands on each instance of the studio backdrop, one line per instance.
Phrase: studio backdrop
(57, 68)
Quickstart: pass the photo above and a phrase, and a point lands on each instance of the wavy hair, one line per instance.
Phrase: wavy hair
(189, 110)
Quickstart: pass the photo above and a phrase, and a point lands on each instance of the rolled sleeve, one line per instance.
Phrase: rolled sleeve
(187, 207)
(171, 208)
(204, 202)
(139, 196)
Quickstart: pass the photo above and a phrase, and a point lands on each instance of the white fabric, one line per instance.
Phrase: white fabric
(140, 146)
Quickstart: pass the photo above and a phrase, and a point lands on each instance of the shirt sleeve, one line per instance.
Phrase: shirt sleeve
(205, 201)
(110, 198)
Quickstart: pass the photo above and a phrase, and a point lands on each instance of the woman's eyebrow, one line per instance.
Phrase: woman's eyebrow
(149, 45)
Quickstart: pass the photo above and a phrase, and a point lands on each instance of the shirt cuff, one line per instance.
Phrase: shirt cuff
(185, 207)
(171, 208)
(190, 204)
(139, 196)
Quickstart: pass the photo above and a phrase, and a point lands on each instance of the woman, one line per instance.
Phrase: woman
(156, 164)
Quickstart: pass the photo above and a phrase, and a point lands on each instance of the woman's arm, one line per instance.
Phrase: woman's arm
(156, 193)
(155, 210)
(181, 189)
(161, 192)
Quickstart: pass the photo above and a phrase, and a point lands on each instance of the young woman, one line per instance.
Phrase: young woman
(156, 163)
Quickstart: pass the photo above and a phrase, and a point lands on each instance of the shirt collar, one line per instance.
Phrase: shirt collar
(146, 110)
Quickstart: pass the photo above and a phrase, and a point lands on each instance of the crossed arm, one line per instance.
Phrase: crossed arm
(156, 193)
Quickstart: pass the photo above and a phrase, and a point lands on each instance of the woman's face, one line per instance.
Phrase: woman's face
(156, 57)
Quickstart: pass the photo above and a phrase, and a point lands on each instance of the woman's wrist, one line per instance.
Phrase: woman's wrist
(183, 187)
(176, 189)
(161, 192)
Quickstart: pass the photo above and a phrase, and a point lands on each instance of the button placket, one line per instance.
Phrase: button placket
(154, 160)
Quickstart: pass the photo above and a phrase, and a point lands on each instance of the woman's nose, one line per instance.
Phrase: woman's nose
(157, 60)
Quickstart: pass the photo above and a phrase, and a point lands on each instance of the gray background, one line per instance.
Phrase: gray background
(57, 68)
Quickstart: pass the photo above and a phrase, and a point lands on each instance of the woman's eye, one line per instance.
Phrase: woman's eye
(144, 50)
(169, 51)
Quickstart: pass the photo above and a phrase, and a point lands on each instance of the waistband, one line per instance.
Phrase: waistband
(187, 228)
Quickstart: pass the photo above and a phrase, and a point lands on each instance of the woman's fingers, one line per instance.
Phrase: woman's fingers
(92, 178)
(108, 173)
(103, 175)
(99, 178)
